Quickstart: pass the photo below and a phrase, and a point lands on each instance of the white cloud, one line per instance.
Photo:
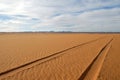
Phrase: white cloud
(60, 15)
(9, 27)
(100, 19)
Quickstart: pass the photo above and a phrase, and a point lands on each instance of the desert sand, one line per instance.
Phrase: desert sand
(59, 56)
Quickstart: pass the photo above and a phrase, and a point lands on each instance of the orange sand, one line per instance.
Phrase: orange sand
(59, 56)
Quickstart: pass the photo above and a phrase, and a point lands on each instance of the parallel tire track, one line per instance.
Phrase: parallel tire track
(96, 67)
(47, 58)
(84, 74)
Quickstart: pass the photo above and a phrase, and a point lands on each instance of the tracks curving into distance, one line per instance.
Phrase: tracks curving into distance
(47, 58)
(91, 68)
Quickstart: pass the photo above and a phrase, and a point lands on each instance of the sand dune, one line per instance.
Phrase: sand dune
(49, 56)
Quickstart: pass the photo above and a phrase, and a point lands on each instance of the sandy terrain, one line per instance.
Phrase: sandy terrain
(111, 66)
(59, 56)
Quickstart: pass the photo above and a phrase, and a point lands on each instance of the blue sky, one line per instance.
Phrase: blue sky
(60, 15)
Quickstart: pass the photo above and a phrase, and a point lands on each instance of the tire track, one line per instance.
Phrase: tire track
(86, 72)
(44, 59)
(96, 67)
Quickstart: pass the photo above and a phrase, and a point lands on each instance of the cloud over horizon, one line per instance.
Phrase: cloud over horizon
(60, 15)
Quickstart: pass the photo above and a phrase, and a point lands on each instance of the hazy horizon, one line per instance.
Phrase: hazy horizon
(60, 15)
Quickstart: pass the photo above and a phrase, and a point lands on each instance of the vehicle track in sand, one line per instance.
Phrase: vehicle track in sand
(54, 61)
(19, 49)
(44, 59)
(92, 71)
(111, 66)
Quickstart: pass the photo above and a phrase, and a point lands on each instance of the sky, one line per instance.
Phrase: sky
(60, 15)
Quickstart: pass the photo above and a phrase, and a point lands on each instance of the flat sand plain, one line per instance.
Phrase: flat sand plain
(59, 56)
